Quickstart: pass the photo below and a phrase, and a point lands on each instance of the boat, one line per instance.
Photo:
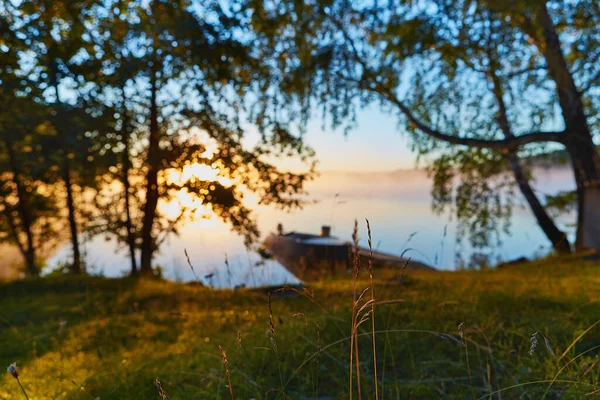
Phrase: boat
(309, 255)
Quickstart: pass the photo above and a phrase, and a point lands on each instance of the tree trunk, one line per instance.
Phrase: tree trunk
(13, 227)
(151, 184)
(128, 223)
(581, 147)
(588, 204)
(588, 231)
(126, 189)
(24, 213)
(76, 267)
(559, 240)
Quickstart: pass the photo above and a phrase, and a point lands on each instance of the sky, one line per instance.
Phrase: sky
(377, 144)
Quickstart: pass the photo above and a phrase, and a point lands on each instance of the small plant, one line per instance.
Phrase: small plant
(534, 343)
(12, 369)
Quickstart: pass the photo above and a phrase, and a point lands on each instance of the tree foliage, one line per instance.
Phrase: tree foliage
(132, 96)
(491, 77)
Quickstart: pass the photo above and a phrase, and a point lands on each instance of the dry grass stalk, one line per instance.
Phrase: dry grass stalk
(489, 377)
(574, 342)
(228, 267)
(451, 338)
(534, 343)
(372, 309)
(161, 392)
(226, 365)
(389, 302)
(319, 347)
(592, 365)
(354, 331)
(403, 269)
(273, 338)
(463, 335)
(302, 316)
(351, 256)
(239, 349)
(190, 265)
(547, 342)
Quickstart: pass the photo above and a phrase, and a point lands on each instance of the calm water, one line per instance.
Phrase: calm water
(396, 203)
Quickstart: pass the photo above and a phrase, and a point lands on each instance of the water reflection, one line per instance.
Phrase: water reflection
(396, 203)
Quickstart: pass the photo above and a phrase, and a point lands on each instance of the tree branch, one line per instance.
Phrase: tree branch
(509, 143)
(525, 70)
(506, 144)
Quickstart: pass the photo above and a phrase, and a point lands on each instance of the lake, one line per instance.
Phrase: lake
(397, 204)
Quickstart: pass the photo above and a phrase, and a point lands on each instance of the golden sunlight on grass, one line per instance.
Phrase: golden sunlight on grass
(90, 337)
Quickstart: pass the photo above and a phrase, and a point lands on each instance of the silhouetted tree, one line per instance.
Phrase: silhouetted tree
(182, 80)
(60, 45)
(26, 210)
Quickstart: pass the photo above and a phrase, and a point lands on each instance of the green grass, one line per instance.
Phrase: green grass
(120, 334)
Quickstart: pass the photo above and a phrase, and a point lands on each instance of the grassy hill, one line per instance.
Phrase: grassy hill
(94, 338)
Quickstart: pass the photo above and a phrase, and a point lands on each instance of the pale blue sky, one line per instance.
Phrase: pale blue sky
(376, 144)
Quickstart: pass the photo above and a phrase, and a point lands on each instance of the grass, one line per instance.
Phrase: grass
(90, 338)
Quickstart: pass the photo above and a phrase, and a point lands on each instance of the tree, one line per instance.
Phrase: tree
(26, 213)
(60, 47)
(116, 209)
(183, 77)
(130, 95)
(481, 55)
(118, 214)
(474, 82)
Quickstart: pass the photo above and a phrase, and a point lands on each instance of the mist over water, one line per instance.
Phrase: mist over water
(397, 204)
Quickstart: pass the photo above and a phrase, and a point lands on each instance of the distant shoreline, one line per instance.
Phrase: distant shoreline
(536, 164)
